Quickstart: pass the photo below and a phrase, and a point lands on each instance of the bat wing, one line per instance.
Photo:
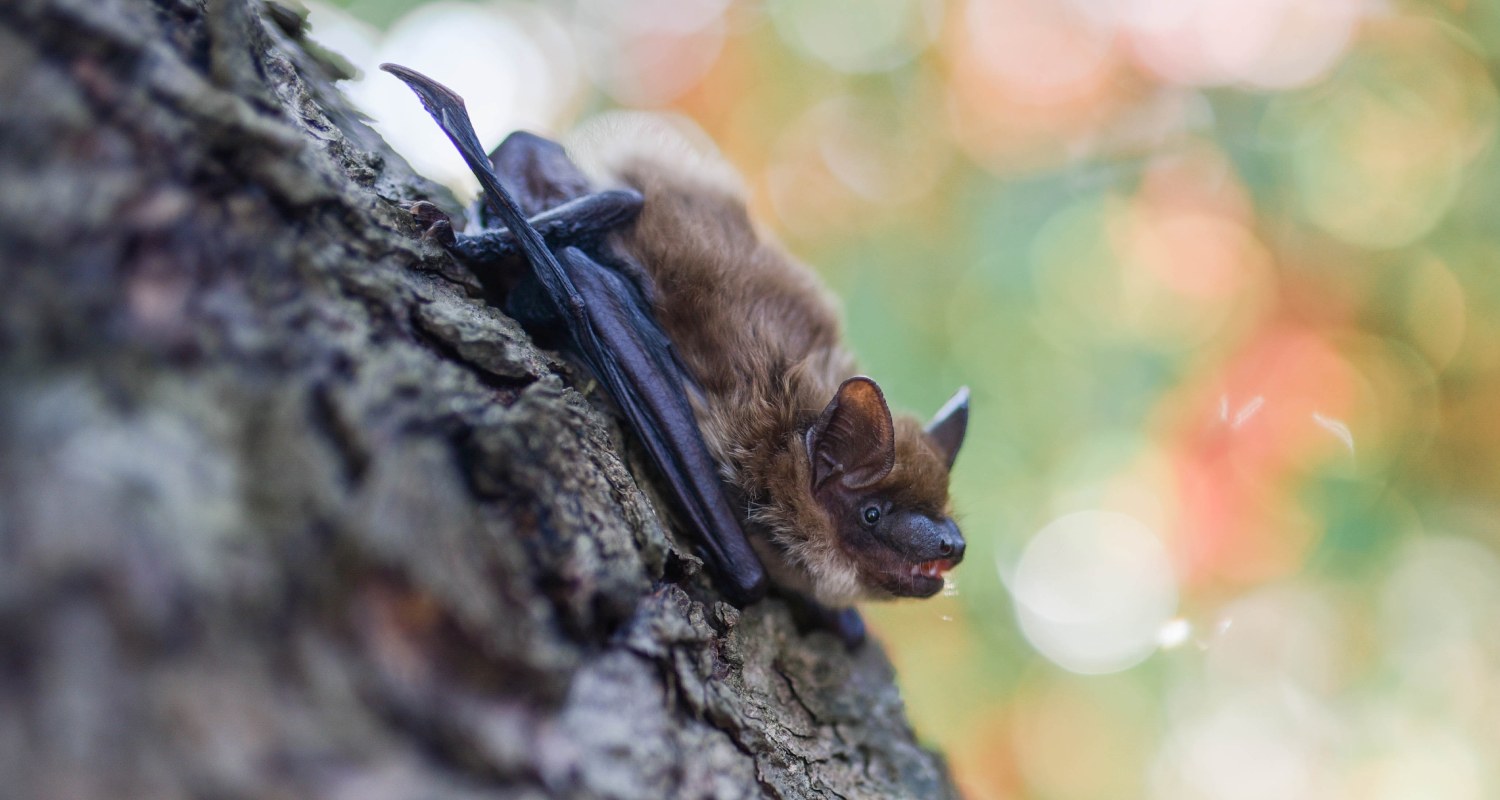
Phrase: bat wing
(584, 219)
(632, 357)
(612, 330)
(538, 172)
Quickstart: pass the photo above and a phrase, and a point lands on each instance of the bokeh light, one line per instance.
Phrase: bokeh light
(1223, 276)
(648, 53)
(1093, 590)
(857, 36)
(1263, 44)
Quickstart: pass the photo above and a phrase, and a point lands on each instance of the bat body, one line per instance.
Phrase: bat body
(810, 447)
(725, 356)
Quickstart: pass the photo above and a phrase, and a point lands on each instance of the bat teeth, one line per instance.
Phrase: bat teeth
(930, 569)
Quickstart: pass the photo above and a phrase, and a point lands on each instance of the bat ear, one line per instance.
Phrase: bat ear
(854, 439)
(948, 425)
(538, 172)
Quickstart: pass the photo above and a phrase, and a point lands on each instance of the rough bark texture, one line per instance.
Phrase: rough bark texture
(286, 510)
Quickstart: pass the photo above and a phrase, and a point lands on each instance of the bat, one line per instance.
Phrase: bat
(723, 354)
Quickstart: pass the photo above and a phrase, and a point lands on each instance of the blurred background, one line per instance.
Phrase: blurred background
(1224, 277)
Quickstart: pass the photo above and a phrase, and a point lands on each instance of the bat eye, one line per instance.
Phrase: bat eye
(872, 515)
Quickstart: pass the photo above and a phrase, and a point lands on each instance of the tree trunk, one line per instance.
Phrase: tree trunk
(287, 510)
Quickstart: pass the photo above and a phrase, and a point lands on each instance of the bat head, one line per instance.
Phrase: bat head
(883, 485)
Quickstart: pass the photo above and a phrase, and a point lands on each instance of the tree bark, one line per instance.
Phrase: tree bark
(287, 510)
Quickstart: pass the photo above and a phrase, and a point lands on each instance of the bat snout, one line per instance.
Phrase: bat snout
(919, 537)
(924, 549)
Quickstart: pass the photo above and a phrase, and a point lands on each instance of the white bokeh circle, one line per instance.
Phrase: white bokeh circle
(1093, 590)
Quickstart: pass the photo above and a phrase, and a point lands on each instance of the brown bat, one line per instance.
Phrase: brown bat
(725, 355)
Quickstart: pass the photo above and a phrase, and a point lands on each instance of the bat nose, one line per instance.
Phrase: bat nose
(922, 538)
(951, 542)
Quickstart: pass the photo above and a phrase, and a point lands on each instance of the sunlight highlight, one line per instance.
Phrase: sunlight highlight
(1093, 590)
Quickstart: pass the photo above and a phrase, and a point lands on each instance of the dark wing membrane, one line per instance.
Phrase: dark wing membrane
(613, 331)
(631, 356)
(538, 172)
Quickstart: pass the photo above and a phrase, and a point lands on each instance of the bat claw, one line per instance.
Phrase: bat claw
(844, 623)
(435, 223)
(850, 628)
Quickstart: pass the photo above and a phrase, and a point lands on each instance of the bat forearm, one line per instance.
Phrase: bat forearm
(579, 222)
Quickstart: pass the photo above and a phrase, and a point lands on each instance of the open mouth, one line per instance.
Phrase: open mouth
(931, 569)
(922, 579)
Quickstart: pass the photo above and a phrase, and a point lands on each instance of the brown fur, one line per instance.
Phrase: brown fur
(761, 335)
